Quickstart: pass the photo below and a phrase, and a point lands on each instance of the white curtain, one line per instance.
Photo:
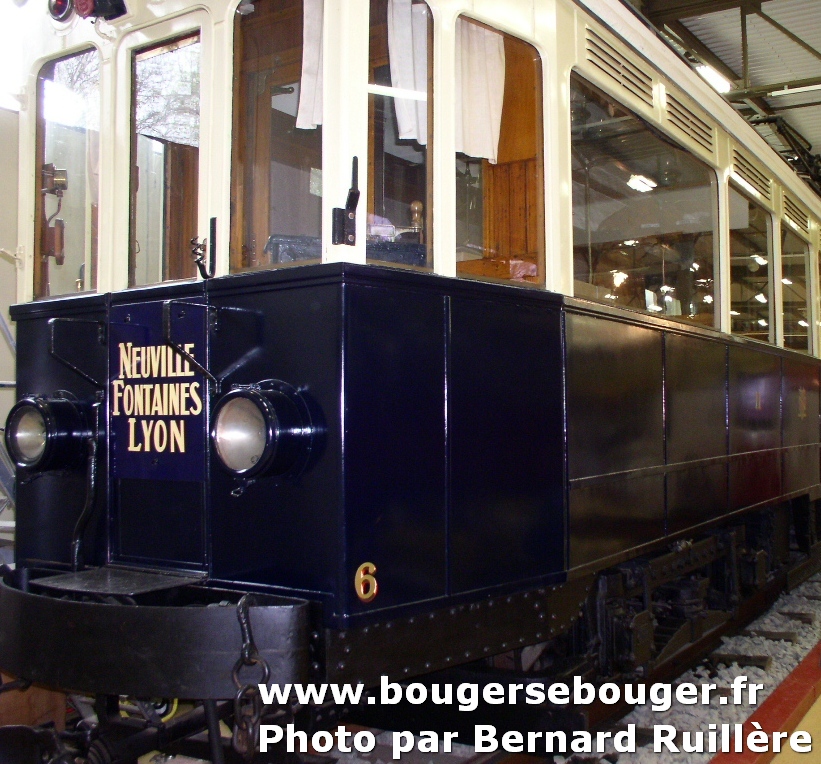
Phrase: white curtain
(408, 53)
(309, 113)
(480, 89)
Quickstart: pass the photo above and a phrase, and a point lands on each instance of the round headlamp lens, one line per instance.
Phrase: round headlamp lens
(27, 436)
(240, 434)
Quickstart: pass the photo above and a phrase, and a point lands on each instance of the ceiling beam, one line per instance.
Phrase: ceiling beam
(695, 46)
(765, 90)
(662, 11)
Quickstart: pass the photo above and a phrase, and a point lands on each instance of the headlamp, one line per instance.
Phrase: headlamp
(261, 430)
(47, 433)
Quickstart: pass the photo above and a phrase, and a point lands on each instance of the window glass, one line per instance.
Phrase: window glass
(499, 175)
(644, 213)
(68, 139)
(399, 135)
(276, 195)
(750, 263)
(165, 161)
(795, 256)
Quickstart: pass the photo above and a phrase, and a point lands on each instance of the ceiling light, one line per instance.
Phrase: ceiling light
(760, 260)
(654, 308)
(762, 322)
(718, 81)
(734, 313)
(708, 298)
(694, 267)
(802, 322)
(786, 281)
(631, 243)
(619, 277)
(793, 91)
(609, 296)
(640, 183)
(761, 298)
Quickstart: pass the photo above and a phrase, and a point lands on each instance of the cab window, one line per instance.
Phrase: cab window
(751, 298)
(67, 201)
(795, 257)
(164, 161)
(400, 122)
(499, 160)
(276, 187)
(644, 213)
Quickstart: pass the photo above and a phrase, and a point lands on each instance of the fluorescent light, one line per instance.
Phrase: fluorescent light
(384, 90)
(762, 322)
(761, 298)
(802, 322)
(793, 91)
(718, 81)
(619, 277)
(760, 260)
(786, 281)
(734, 313)
(640, 183)
(708, 298)
(654, 308)
(609, 296)
(631, 243)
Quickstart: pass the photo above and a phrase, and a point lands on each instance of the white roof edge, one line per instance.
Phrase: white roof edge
(619, 16)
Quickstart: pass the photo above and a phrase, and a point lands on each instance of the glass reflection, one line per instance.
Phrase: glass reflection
(68, 186)
(750, 259)
(795, 254)
(644, 212)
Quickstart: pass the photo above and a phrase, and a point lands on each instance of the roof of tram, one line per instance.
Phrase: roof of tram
(765, 56)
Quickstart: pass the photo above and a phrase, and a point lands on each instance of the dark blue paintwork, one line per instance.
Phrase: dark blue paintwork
(469, 437)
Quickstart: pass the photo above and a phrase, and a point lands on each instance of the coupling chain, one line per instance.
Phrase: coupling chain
(248, 701)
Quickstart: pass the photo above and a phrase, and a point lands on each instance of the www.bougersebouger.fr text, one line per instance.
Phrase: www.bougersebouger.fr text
(467, 696)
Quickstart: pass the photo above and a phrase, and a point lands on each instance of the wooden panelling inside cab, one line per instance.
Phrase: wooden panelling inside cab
(512, 188)
(276, 188)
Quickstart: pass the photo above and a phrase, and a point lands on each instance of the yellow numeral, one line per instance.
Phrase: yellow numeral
(365, 583)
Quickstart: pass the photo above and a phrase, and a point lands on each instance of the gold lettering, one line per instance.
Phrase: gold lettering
(125, 359)
(128, 400)
(139, 400)
(195, 398)
(160, 436)
(177, 435)
(173, 400)
(147, 424)
(116, 394)
(145, 362)
(132, 445)
(189, 348)
(178, 365)
(156, 354)
(184, 396)
(156, 395)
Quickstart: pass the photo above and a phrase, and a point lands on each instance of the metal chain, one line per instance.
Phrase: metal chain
(248, 701)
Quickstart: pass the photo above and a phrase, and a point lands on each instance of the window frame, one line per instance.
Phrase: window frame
(37, 228)
(786, 226)
(196, 21)
(662, 134)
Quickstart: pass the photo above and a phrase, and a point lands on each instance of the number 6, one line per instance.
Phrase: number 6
(365, 583)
